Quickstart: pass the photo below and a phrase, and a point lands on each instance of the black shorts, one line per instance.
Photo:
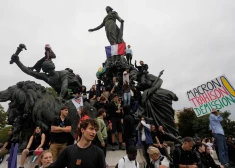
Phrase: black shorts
(116, 125)
(128, 55)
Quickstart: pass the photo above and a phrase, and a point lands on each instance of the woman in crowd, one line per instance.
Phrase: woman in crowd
(84, 93)
(45, 159)
(36, 143)
(209, 144)
(83, 115)
(49, 54)
(209, 161)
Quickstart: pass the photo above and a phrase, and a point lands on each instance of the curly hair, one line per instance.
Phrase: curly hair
(84, 124)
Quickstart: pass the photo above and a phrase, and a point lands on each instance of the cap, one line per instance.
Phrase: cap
(48, 46)
(125, 72)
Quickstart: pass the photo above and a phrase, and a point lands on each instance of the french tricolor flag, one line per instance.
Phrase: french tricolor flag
(117, 49)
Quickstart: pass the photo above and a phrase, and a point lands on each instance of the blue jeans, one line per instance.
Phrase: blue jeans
(222, 148)
(127, 98)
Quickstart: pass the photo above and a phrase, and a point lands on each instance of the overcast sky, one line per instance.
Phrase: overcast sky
(193, 41)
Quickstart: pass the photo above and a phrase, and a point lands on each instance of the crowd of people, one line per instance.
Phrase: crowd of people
(116, 127)
(115, 123)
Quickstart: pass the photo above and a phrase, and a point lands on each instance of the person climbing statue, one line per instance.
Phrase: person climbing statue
(143, 71)
(49, 54)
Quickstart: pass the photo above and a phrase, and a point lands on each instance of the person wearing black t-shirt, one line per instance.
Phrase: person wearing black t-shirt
(116, 116)
(83, 154)
(60, 129)
(158, 142)
(36, 143)
(183, 157)
(7, 145)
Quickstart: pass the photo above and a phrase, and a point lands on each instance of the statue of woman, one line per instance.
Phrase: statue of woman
(113, 33)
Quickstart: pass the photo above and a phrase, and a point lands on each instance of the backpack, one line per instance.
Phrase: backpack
(160, 163)
(124, 162)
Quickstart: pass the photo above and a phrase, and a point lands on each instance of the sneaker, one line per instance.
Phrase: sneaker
(227, 165)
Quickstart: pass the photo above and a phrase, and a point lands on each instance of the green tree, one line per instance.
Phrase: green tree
(4, 134)
(51, 91)
(189, 124)
(3, 117)
(186, 121)
(201, 126)
(228, 125)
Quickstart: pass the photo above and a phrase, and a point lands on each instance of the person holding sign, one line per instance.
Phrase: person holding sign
(218, 132)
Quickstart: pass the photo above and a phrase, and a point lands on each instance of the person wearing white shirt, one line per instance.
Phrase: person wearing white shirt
(129, 161)
(144, 138)
(129, 54)
(157, 160)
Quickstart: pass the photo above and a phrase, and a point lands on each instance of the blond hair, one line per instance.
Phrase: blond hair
(153, 151)
(44, 152)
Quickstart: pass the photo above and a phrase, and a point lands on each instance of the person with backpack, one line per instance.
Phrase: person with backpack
(157, 160)
(83, 154)
(129, 161)
(183, 157)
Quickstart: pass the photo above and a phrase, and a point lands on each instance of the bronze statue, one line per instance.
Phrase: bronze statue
(61, 81)
(113, 33)
(31, 105)
(157, 102)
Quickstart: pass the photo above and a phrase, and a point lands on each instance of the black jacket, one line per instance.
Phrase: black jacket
(209, 161)
(129, 127)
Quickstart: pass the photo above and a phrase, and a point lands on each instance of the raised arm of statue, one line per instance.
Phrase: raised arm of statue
(64, 84)
(97, 28)
(34, 74)
(156, 85)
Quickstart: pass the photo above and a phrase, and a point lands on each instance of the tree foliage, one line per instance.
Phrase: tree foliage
(190, 125)
(4, 134)
(3, 117)
(185, 124)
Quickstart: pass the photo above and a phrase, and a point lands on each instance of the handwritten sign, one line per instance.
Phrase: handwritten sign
(217, 93)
